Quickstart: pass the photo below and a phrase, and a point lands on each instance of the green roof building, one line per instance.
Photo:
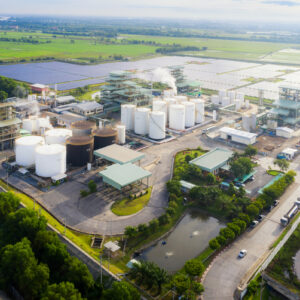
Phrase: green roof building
(120, 176)
(213, 160)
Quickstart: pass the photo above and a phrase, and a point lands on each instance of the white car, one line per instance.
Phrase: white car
(242, 253)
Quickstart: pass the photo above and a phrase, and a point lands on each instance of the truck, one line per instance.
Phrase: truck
(285, 220)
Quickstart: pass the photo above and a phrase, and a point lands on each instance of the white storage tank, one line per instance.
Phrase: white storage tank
(25, 149)
(189, 113)
(247, 104)
(43, 123)
(199, 110)
(225, 101)
(50, 160)
(238, 104)
(214, 115)
(57, 136)
(215, 99)
(127, 115)
(177, 117)
(240, 96)
(180, 99)
(121, 132)
(222, 93)
(169, 101)
(231, 95)
(30, 124)
(141, 121)
(160, 106)
(157, 125)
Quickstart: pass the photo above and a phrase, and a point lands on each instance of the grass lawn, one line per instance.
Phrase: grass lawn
(126, 207)
(273, 172)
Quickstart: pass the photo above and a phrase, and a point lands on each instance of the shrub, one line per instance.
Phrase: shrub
(171, 211)
(164, 219)
(227, 233)
(84, 193)
(92, 186)
(197, 287)
(252, 210)
(214, 244)
(244, 217)
(221, 240)
(194, 267)
(235, 228)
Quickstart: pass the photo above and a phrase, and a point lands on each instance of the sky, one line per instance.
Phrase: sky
(219, 10)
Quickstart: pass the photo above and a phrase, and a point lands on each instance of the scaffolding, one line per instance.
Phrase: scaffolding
(121, 89)
(9, 126)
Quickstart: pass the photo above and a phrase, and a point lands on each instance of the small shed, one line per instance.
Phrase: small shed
(288, 153)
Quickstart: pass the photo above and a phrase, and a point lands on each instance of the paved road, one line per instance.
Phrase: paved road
(227, 270)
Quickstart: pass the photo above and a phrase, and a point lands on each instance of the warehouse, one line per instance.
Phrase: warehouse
(238, 136)
(284, 132)
(213, 161)
(120, 176)
(118, 154)
(87, 108)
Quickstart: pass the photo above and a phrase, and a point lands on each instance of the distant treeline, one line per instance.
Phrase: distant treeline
(167, 50)
(11, 88)
(23, 40)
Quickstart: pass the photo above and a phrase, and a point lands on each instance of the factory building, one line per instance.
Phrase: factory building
(287, 110)
(61, 100)
(87, 108)
(121, 89)
(213, 160)
(39, 88)
(9, 126)
(238, 136)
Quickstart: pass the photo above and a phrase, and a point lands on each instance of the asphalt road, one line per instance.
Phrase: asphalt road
(227, 271)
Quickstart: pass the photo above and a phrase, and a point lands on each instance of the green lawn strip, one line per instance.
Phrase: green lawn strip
(126, 206)
(274, 172)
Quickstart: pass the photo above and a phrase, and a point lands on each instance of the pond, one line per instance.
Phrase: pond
(297, 264)
(189, 239)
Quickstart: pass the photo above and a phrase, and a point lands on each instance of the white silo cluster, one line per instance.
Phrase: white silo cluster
(49, 160)
(225, 98)
(177, 117)
(199, 110)
(157, 125)
(127, 115)
(35, 124)
(141, 121)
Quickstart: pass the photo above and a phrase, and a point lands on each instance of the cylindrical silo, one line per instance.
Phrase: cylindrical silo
(214, 116)
(247, 104)
(199, 110)
(169, 101)
(157, 125)
(180, 99)
(121, 130)
(57, 136)
(43, 123)
(225, 101)
(160, 106)
(238, 104)
(141, 120)
(222, 93)
(177, 117)
(27, 124)
(189, 113)
(25, 149)
(215, 99)
(231, 95)
(80, 150)
(104, 137)
(127, 115)
(240, 96)
(50, 160)
(82, 128)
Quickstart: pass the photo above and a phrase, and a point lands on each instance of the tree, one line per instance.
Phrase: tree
(242, 224)
(3, 96)
(188, 158)
(241, 167)
(214, 244)
(194, 267)
(221, 240)
(174, 187)
(244, 217)
(77, 272)
(121, 290)
(92, 186)
(142, 228)
(227, 233)
(250, 151)
(154, 224)
(181, 283)
(283, 164)
(235, 228)
(62, 291)
(19, 267)
(197, 287)
(211, 178)
(252, 210)
(20, 91)
(9, 202)
(130, 231)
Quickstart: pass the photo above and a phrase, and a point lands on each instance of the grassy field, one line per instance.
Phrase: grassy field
(86, 48)
(126, 207)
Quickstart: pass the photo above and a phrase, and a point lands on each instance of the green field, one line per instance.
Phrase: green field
(85, 49)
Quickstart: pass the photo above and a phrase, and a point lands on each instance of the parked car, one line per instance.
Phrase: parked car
(238, 184)
(260, 218)
(276, 202)
(269, 208)
(242, 253)
(254, 224)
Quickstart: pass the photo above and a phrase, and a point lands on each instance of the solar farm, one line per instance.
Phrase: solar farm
(213, 74)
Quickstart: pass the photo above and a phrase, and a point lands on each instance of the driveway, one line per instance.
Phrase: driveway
(227, 271)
